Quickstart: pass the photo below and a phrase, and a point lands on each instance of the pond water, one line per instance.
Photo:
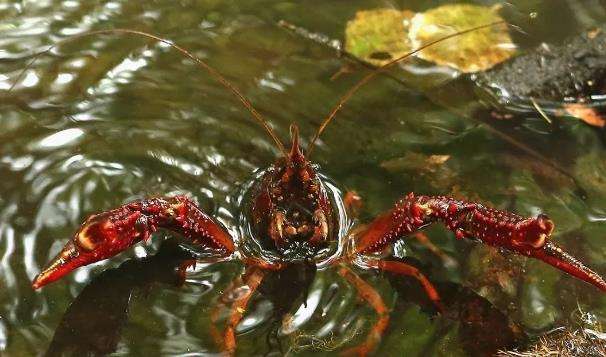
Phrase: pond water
(105, 120)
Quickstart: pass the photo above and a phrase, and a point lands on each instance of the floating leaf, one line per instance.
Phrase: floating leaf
(378, 36)
(473, 52)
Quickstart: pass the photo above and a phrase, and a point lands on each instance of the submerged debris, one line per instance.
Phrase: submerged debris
(564, 342)
(564, 79)
(585, 338)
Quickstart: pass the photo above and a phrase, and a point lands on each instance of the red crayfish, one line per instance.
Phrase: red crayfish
(292, 217)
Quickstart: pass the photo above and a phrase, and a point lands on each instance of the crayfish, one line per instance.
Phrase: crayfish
(292, 216)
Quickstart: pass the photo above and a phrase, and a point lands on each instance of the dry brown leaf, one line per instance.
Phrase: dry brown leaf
(587, 114)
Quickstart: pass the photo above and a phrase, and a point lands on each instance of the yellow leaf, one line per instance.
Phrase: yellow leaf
(472, 52)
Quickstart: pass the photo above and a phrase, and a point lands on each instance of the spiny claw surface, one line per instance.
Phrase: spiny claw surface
(526, 236)
(556, 256)
(109, 233)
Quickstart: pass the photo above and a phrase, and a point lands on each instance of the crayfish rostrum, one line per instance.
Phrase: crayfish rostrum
(293, 218)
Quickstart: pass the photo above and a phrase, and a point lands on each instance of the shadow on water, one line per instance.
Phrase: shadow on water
(93, 323)
(483, 328)
(286, 289)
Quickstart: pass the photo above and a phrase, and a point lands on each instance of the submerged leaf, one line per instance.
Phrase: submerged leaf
(473, 52)
(377, 36)
(415, 162)
(590, 170)
(586, 113)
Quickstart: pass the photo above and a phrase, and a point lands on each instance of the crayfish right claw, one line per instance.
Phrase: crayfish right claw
(66, 261)
(555, 256)
(97, 239)
(106, 234)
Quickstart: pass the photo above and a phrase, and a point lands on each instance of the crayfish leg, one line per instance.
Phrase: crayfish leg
(252, 279)
(402, 268)
(372, 297)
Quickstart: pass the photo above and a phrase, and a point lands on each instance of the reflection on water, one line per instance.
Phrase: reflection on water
(104, 120)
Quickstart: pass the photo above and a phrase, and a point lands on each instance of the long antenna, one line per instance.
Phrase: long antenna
(213, 72)
(372, 74)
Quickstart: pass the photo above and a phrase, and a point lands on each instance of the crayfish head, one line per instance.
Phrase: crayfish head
(94, 241)
(296, 210)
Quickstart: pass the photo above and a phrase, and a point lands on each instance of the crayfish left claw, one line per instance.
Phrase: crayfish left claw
(526, 236)
(100, 237)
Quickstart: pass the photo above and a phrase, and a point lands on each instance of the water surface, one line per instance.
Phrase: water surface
(102, 121)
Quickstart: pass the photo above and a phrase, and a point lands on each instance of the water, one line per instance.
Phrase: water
(105, 120)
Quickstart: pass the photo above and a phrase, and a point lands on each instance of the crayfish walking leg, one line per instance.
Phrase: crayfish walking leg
(525, 236)
(372, 297)
(402, 268)
(109, 233)
(252, 279)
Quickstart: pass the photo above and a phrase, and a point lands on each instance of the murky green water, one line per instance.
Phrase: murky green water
(105, 120)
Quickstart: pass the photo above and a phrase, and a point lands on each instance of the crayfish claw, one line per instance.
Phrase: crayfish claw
(527, 236)
(106, 234)
(555, 256)
(66, 261)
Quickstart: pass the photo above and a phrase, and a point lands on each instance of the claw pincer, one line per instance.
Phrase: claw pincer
(525, 236)
(109, 233)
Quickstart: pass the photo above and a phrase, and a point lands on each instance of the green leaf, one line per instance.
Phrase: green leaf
(377, 36)
(472, 52)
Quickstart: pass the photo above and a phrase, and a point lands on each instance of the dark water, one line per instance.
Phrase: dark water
(105, 120)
